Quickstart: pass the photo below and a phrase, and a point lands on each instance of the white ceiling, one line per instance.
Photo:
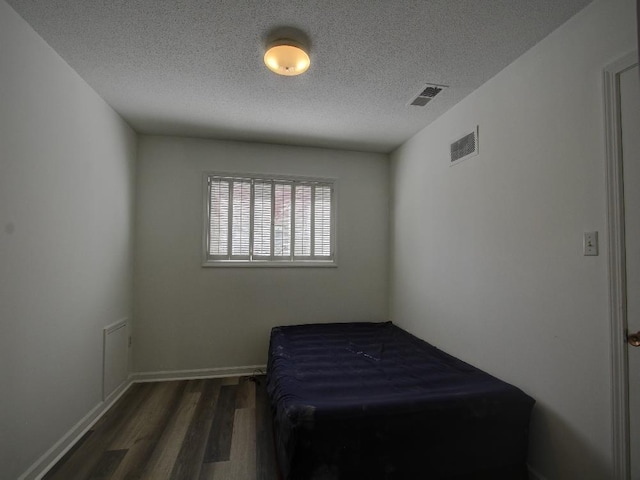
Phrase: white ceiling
(194, 67)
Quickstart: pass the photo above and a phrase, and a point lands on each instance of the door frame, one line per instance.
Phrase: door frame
(617, 266)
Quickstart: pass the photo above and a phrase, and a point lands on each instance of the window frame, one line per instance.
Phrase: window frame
(269, 261)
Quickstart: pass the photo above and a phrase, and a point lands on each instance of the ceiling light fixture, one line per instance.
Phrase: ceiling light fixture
(286, 57)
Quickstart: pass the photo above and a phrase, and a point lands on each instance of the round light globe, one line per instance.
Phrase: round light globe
(287, 59)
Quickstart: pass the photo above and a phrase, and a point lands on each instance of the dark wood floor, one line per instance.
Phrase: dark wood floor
(192, 430)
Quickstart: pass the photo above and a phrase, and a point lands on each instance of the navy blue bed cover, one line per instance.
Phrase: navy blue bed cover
(371, 401)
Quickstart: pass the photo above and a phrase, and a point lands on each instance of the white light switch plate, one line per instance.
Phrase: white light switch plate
(590, 244)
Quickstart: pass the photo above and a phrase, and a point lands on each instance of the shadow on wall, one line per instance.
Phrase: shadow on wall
(555, 447)
(246, 132)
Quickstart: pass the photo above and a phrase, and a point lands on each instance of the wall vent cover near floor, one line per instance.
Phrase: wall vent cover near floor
(427, 93)
(464, 147)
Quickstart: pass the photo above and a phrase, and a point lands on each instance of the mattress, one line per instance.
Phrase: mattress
(371, 401)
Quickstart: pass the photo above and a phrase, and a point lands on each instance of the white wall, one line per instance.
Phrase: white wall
(190, 317)
(487, 255)
(66, 196)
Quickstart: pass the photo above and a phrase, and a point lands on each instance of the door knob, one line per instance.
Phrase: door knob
(634, 339)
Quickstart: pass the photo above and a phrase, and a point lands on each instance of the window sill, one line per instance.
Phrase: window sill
(270, 264)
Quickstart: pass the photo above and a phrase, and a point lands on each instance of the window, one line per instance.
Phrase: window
(269, 221)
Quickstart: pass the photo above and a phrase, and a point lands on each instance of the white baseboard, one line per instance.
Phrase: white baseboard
(41, 466)
(69, 439)
(533, 475)
(198, 373)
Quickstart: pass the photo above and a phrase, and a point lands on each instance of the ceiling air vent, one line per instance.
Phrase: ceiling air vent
(465, 147)
(428, 92)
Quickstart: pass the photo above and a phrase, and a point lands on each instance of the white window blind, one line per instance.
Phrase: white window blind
(322, 221)
(263, 220)
(302, 237)
(240, 219)
(219, 218)
(282, 221)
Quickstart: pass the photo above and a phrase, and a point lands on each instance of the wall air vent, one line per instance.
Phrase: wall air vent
(427, 93)
(464, 147)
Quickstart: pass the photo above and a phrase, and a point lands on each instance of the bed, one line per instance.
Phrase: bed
(371, 401)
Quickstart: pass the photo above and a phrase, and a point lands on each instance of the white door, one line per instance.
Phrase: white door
(630, 126)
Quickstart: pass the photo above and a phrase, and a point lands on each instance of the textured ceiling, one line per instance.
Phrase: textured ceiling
(193, 67)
